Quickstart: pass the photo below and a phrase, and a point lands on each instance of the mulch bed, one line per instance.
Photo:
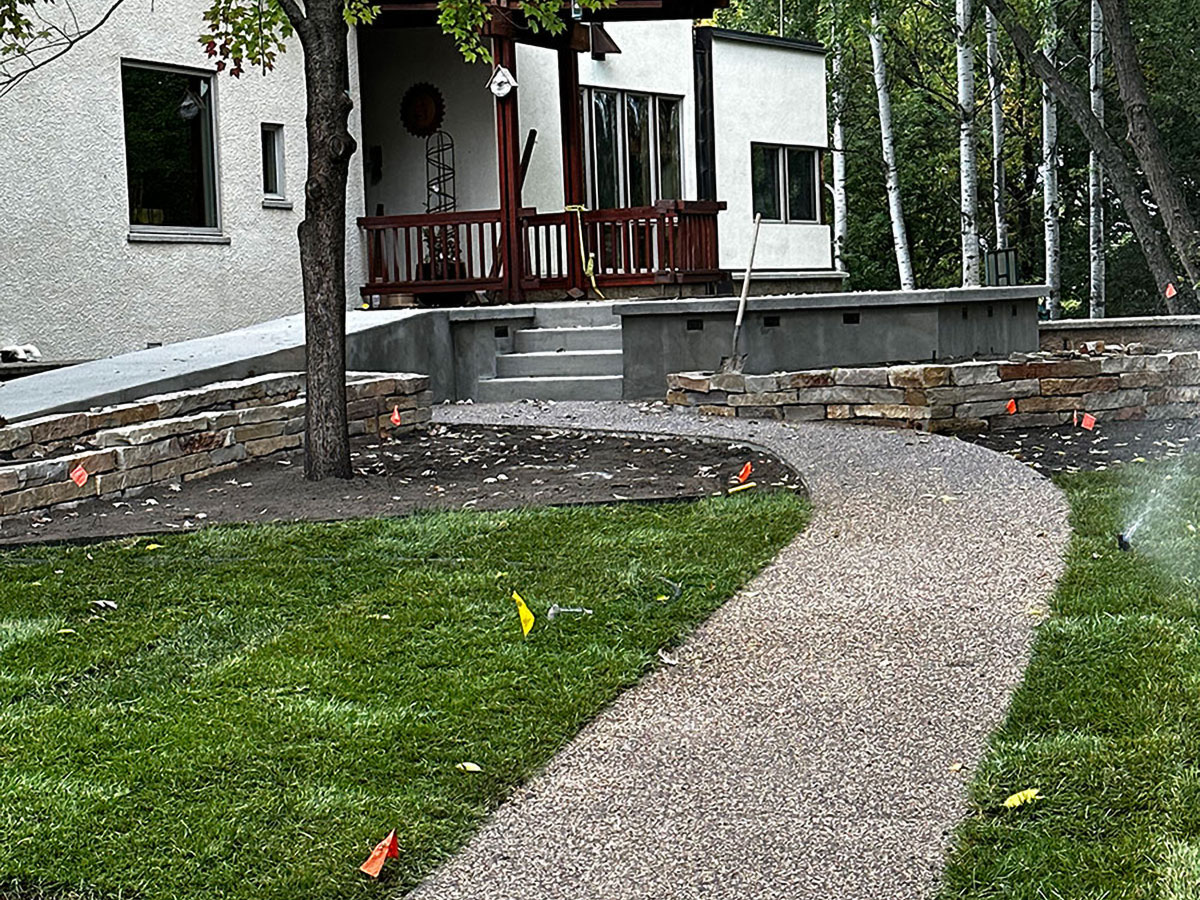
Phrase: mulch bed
(1067, 448)
(446, 467)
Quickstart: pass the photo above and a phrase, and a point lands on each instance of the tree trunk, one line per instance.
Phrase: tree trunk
(323, 238)
(1050, 197)
(996, 89)
(1147, 142)
(841, 223)
(888, 139)
(1121, 175)
(1096, 240)
(968, 163)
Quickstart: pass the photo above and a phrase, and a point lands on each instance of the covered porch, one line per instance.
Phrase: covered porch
(449, 223)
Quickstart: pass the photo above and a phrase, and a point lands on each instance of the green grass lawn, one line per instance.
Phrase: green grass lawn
(266, 703)
(1106, 725)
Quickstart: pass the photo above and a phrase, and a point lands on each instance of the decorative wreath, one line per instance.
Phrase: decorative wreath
(422, 109)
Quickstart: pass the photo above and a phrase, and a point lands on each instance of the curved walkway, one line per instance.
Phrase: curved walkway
(815, 738)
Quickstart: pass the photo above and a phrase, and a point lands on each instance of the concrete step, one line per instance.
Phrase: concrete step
(568, 362)
(536, 340)
(567, 315)
(583, 387)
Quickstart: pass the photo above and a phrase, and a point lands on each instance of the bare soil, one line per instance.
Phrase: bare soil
(446, 467)
(1068, 448)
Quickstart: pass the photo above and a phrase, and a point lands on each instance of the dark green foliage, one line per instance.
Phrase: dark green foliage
(265, 704)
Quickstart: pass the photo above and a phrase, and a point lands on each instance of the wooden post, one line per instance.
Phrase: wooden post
(571, 117)
(508, 147)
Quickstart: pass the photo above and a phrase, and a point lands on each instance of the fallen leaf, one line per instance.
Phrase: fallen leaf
(1021, 798)
(468, 767)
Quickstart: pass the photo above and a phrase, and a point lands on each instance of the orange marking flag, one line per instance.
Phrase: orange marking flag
(1088, 421)
(79, 475)
(395, 417)
(1011, 408)
(745, 473)
(1170, 291)
(385, 849)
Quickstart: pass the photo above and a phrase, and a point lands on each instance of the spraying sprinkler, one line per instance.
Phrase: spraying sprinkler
(1124, 542)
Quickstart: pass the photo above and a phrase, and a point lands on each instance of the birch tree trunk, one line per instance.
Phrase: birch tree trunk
(1096, 169)
(968, 163)
(1125, 179)
(1050, 197)
(888, 139)
(841, 224)
(996, 89)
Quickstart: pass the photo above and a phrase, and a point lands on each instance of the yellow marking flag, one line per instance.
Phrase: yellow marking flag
(1021, 798)
(526, 615)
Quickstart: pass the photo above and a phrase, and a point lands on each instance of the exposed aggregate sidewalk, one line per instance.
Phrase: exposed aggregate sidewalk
(816, 736)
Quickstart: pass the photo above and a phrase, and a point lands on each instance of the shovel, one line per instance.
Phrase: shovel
(732, 364)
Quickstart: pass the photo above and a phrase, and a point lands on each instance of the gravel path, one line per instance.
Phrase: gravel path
(815, 738)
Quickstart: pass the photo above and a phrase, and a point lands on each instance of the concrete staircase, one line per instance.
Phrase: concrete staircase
(573, 352)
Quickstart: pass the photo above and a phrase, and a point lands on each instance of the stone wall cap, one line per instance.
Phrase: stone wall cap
(854, 299)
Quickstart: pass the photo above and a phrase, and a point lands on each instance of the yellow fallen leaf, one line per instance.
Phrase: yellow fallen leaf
(154, 546)
(1021, 798)
(468, 767)
(66, 631)
(661, 598)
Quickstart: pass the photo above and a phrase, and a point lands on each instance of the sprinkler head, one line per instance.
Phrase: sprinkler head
(1123, 543)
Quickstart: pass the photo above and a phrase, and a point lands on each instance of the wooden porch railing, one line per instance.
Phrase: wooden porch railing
(672, 242)
(435, 252)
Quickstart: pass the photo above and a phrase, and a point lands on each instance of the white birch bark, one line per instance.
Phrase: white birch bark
(841, 222)
(999, 173)
(968, 163)
(1097, 298)
(888, 140)
(1050, 196)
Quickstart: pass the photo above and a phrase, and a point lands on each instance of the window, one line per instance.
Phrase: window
(170, 154)
(633, 143)
(274, 187)
(785, 182)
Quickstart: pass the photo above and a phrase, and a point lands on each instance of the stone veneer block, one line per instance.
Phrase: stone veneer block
(1142, 379)
(861, 377)
(688, 381)
(804, 413)
(1049, 404)
(1114, 365)
(775, 398)
(973, 373)
(839, 411)
(918, 376)
(902, 411)
(844, 394)
(1028, 420)
(760, 412)
(1069, 368)
(761, 384)
(1113, 400)
(984, 409)
(1057, 387)
(810, 379)
(1005, 390)
(732, 382)
(726, 411)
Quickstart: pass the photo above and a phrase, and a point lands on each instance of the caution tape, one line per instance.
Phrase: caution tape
(589, 267)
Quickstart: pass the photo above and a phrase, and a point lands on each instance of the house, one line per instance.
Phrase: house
(157, 201)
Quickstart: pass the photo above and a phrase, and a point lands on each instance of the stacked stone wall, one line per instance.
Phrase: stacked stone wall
(185, 435)
(1022, 392)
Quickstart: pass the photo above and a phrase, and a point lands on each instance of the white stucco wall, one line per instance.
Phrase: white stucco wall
(391, 61)
(70, 281)
(773, 95)
(655, 57)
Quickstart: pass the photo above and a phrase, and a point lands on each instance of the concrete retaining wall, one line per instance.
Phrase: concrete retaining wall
(1157, 332)
(184, 435)
(973, 396)
(801, 332)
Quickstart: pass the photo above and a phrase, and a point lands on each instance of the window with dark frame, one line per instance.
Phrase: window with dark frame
(633, 148)
(170, 153)
(785, 183)
(274, 185)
